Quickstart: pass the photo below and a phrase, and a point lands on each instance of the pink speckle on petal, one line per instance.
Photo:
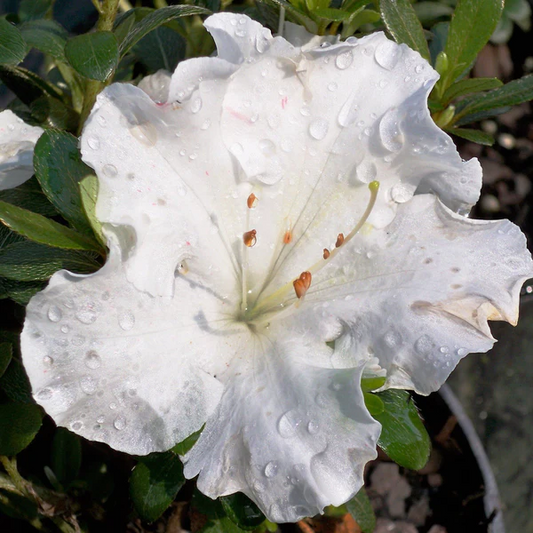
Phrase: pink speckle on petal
(240, 116)
(284, 101)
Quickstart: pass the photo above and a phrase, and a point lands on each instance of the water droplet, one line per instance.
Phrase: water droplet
(387, 54)
(44, 394)
(93, 143)
(93, 360)
(318, 129)
(196, 105)
(424, 345)
(48, 361)
(54, 313)
(401, 193)
(88, 385)
(312, 427)
(113, 406)
(120, 423)
(392, 338)
(305, 111)
(65, 329)
(145, 133)
(110, 171)
(236, 149)
(344, 60)
(366, 171)
(267, 147)
(444, 349)
(101, 120)
(86, 313)
(419, 69)
(288, 424)
(76, 426)
(332, 86)
(206, 125)
(271, 469)
(261, 42)
(389, 131)
(461, 352)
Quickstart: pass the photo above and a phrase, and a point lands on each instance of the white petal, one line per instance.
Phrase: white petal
(163, 176)
(417, 295)
(157, 85)
(17, 141)
(118, 366)
(293, 437)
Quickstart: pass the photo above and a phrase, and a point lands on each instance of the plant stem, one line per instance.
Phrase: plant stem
(10, 466)
(108, 12)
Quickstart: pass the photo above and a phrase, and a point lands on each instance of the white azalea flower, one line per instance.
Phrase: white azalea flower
(157, 85)
(246, 230)
(17, 141)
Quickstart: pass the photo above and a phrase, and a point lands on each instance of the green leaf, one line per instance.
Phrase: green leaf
(403, 24)
(12, 45)
(218, 521)
(361, 510)
(403, 437)
(19, 423)
(154, 484)
(512, 93)
(242, 511)
(471, 26)
(373, 403)
(370, 384)
(185, 445)
(329, 13)
(29, 196)
(162, 48)
(156, 19)
(34, 9)
(30, 261)
(20, 291)
(43, 230)
(59, 169)
(47, 36)
(66, 456)
(469, 86)
(93, 55)
(429, 12)
(6, 353)
(476, 136)
(89, 195)
(15, 383)
(124, 26)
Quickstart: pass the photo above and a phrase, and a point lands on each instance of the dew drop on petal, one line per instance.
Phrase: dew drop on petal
(318, 128)
(267, 147)
(389, 131)
(86, 315)
(321, 400)
(424, 345)
(145, 133)
(54, 313)
(93, 143)
(196, 105)
(288, 424)
(120, 423)
(76, 426)
(110, 171)
(126, 320)
(271, 469)
(312, 427)
(44, 394)
(88, 385)
(92, 360)
(366, 171)
(332, 86)
(206, 125)
(387, 54)
(48, 361)
(261, 43)
(400, 193)
(344, 60)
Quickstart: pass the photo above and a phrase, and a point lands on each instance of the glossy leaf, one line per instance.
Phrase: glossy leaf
(93, 55)
(47, 36)
(471, 26)
(19, 423)
(59, 169)
(30, 196)
(89, 194)
(12, 45)
(34, 9)
(429, 12)
(14, 382)
(154, 484)
(156, 19)
(30, 261)
(213, 510)
(512, 93)
(162, 48)
(185, 445)
(329, 13)
(26, 85)
(43, 230)
(476, 136)
(242, 511)
(19, 291)
(373, 403)
(66, 456)
(403, 437)
(6, 353)
(469, 86)
(361, 510)
(370, 384)
(403, 24)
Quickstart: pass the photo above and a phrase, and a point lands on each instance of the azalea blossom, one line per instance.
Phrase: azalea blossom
(287, 219)
(17, 141)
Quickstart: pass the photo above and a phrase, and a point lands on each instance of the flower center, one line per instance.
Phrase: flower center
(288, 297)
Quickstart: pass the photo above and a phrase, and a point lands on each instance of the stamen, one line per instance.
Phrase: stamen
(340, 240)
(249, 238)
(326, 253)
(287, 238)
(302, 284)
(252, 201)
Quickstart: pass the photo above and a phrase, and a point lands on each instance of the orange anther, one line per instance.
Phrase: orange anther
(326, 253)
(287, 238)
(249, 238)
(340, 240)
(302, 284)
(252, 201)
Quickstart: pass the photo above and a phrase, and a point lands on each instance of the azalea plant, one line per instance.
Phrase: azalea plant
(232, 243)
